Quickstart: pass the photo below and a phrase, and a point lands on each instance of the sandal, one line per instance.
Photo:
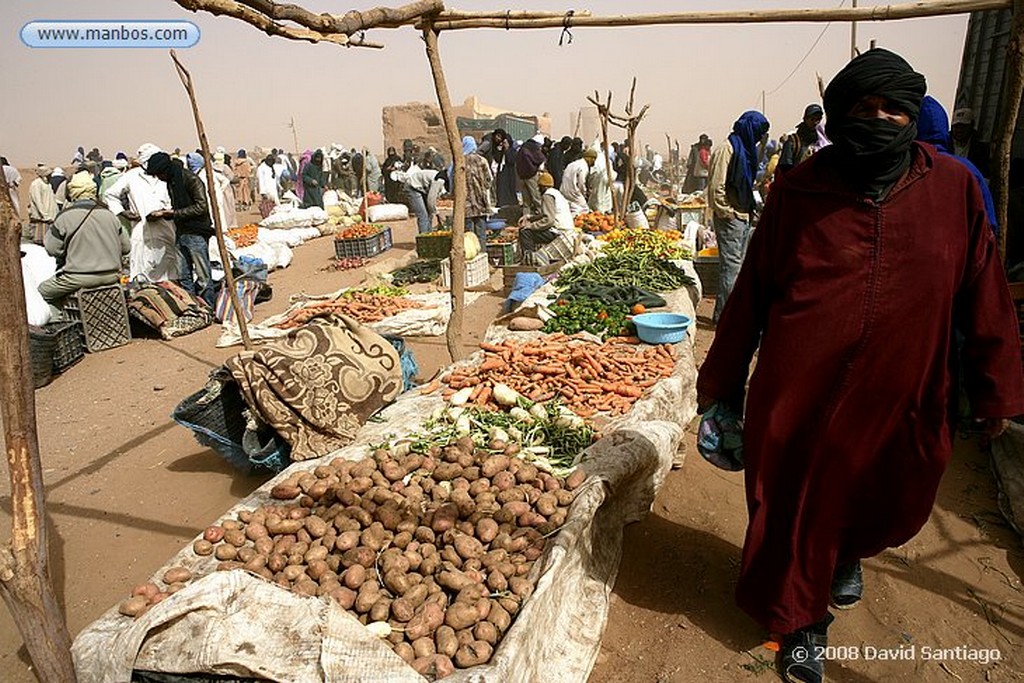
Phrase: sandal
(847, 585)
(801, 657)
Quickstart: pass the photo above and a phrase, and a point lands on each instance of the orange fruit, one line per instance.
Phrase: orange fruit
(638, 309)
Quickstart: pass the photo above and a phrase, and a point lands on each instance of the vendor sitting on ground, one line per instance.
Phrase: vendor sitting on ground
(550, 236)
(88, 242)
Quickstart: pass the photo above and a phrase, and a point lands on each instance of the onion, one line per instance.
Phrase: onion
(504, 395)
(461, 396)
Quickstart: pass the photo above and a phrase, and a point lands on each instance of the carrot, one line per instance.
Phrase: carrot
(473, 395)
(484, 395)
(547, 369)
(492, 364)
(493, 348)
(431, 388)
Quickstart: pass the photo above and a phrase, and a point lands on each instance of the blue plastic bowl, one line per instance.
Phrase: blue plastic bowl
(661, 328)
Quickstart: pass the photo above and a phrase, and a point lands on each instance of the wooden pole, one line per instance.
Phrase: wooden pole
(908, 10)
(1006, 123)
(25, 583)
(211, 185)
(603, 111)
(295, 136)
(453, 333)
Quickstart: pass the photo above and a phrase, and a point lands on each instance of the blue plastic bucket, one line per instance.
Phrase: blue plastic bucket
(661, 328)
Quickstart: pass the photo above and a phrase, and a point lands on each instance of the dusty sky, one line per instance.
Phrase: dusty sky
(696, 78)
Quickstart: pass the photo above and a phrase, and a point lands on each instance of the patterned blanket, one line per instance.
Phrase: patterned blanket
(320, 383)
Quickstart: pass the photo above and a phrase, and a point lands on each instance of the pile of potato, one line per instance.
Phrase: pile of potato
(432, 551)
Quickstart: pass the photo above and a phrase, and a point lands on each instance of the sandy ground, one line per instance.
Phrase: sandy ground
(126, 488)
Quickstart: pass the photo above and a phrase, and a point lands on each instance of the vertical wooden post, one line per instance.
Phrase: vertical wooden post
(453, 334)
(211, 186)
(25, 583)
(1006, 123)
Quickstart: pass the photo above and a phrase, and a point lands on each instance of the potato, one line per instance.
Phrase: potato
(461, 615)
(499, 616)
(174, 588)
(285, 491)
(245, 553)
(522, 323)
(531, 519)
(315, 526)
(503, 480)
(202, 547)
(471, 593)
(477, 652)
(360, 485)
(369, 593)
(228, 566)
(447, 471)
(494, 464)
(472, 565)
(405, 651)
(510, 605)
(315, 554)
(424, 647)
(397, 581)
(445, 517)
(521, 586)
(225, 552)
(425, 621)
(346, 541)
(361, 555)
(374, 537)
(449, 554)
(393, 559)
(493, 557)
(509, 495)
(468, 547)
(526, 473)
(446, 641)
(177, 575)
(565, 496)
(576, 479)
(284, 526)
(245, 516)
(547, 504)
(145, 590)
(430, 565)
(413, 558)
(381, 609)
(487, 632)
(316, 568)
(345, 597)
(276, 562)
(305, 587)
(363, 468)
(454, 580)
(497, 581)
(293, 572)
(264, 546)
(465, 636)
(318, 490)
(434, 667)
(133, 606)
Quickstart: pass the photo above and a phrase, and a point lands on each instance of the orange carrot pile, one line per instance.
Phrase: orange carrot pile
(589, 378)
(244, 236)
(364, 307)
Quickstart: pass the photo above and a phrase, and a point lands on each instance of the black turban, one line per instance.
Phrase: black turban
(876, 72)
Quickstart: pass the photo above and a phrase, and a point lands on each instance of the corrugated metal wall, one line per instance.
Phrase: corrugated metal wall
(982, 71)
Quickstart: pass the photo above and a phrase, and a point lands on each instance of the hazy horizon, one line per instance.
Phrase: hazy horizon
(696, 78)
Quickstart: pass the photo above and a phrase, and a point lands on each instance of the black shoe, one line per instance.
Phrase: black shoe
(847, 586)
(802, 655)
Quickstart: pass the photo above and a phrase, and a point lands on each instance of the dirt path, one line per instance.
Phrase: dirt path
(126, 488)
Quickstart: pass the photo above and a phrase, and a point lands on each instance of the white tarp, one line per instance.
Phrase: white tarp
(428, 321)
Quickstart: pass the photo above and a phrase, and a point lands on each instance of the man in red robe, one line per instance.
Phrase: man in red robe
(865, 261)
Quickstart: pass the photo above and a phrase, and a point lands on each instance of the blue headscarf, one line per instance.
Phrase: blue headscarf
(933, 128)
(194, 161)
(468, 145)
(748, 129)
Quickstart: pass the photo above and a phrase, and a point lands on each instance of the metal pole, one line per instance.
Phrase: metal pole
(853, 35)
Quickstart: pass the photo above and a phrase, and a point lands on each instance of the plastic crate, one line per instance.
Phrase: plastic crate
(70, 347)
(707, 270)
(477, 271)
(433, 246)
(502, 254)
(364, 247)
(40, 351)
(103, 314)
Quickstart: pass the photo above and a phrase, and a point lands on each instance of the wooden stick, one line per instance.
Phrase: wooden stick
(231, 8)
(909, 10)
(453, 333)
(25, 583)
(1006, 123)
(211, 186)
(603, 111)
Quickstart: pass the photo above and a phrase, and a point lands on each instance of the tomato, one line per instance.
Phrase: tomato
(638, 309)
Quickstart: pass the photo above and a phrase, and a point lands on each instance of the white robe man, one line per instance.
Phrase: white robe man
(574, 182)
(135, 195)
